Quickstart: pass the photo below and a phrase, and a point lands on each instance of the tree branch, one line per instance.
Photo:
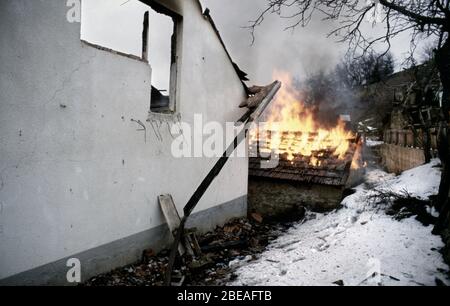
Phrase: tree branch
(415, 16)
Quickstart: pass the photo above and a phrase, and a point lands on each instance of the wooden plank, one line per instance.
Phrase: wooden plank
(217, 168)
(172, 217)
(169, 211)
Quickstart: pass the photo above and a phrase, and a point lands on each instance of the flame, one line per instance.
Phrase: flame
(292, 129)
(357, 161)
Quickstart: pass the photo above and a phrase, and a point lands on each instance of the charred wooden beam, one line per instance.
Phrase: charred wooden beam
(198, 194)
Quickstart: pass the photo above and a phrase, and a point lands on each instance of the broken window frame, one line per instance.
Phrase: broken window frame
(174, 63)
(101, 47)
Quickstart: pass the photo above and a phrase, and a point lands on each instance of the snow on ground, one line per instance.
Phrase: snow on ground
(373, 143)
(358, 244)
(420, 182)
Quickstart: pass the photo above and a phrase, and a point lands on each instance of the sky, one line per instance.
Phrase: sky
(117, 24)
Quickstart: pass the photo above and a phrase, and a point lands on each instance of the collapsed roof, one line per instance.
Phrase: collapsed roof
(330, 170)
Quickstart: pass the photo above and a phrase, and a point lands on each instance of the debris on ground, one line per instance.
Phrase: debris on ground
(402, 205)
(237, 242)
(374, 239)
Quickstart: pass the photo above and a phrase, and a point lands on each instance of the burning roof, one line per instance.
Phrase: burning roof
(307, 150)
(329, 171)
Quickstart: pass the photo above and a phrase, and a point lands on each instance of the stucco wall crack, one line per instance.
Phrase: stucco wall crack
(69, 78)
(64, 83)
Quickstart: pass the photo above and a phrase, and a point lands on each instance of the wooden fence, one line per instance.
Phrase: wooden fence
(406, 138)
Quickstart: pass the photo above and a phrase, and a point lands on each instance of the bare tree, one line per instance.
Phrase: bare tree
(420, 18)
(368, 68)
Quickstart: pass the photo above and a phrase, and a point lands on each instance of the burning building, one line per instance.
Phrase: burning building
(86, 135)
(314, 163)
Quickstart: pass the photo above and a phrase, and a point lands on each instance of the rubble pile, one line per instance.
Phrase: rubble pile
(237, 242)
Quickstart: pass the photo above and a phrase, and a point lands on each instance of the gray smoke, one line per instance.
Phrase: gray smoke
(302, 52)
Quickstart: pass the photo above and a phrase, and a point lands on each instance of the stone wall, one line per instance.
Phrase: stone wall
(278, 199)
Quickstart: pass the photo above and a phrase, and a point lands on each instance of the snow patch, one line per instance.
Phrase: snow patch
(373, 143)
(358, 244)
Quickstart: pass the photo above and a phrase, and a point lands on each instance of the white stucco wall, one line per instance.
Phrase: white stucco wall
(74, 171)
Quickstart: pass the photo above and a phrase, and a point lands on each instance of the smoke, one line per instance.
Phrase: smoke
(301, 51)
(306, 53)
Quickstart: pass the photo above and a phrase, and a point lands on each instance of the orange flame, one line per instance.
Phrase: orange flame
(294, 130)
(357, 161)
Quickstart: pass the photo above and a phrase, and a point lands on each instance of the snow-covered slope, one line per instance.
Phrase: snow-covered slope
(358, 244)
